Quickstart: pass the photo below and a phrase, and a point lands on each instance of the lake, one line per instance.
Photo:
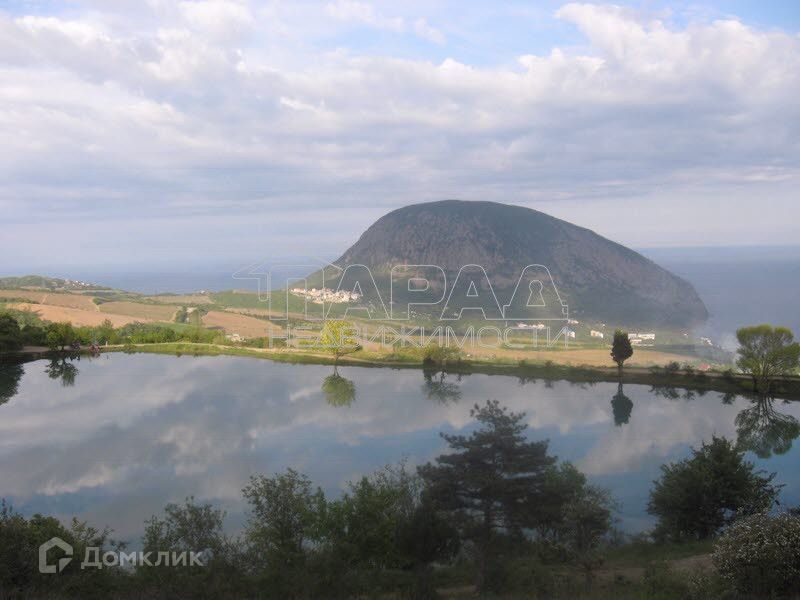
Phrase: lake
(113, 438)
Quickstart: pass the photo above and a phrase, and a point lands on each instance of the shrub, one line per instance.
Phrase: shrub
(698, 496)
(760, 555)
(441, 355)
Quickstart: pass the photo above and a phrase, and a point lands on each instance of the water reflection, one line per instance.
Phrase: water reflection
(137, 431)
(621, 406)
(10, 374)
(437, 387)
(765, 431)
(675, 393)
(338, 390)
(63, 369)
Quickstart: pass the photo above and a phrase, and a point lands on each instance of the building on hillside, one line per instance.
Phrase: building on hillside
(597, 334)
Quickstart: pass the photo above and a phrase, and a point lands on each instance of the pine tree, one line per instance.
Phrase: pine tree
(489, 481)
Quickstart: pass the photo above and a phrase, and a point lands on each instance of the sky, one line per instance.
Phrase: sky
(156, 132)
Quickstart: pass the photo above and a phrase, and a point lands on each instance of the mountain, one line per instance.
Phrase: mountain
(599, 279)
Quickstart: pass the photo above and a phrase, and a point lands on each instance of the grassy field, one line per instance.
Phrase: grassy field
(149, 312)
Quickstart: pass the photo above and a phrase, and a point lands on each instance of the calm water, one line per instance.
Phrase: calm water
(125, 434)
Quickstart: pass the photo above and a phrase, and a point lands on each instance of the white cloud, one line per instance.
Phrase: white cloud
(425, 31)
(222, 19)
(361, 12)
(231, 109)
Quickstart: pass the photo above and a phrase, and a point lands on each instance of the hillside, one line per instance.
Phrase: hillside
(599, 279)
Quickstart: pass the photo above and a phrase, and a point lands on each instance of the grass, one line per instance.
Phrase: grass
(155, 312)
(641, 553)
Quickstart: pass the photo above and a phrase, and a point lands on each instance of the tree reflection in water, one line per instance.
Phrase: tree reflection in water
(765, 431)
(437, 387)
(62, 368)
(338, 390)
(622, 406)
(10, 374)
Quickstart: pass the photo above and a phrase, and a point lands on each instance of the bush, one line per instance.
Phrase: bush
(698, 496)
(434, 354)
(760, 555)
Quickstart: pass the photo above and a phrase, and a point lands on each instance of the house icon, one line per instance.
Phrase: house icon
(62, 562)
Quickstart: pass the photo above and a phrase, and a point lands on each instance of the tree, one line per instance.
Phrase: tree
(338, 338)
(621, 349)
(363, 526)
(434, 354)
(285, 518)
(104, 332)
(10, 334)
(60, 335)
(697, 496)
(766, 352)
(185, 528)
(587, 520)
(490, 480)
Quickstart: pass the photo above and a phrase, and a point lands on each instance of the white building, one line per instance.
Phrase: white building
(597, 334)
(326, 295)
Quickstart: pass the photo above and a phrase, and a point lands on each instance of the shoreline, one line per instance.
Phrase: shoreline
(786, 388)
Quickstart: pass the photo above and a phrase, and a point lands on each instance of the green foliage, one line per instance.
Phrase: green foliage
(19, 574)
(699, 495)
(621, 348)
(181, 315)
(587, 520)
(760, 556)
(10, 333)
(286, 516)
(489, 482)
(191, 527)
(766, 352)
(60, 335)
(338, 338)
(149, 333)
(434, 354)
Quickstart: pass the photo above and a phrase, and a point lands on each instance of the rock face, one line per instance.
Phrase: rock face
(598, 278)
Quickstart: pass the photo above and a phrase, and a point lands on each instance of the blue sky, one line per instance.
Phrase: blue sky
(167, 132)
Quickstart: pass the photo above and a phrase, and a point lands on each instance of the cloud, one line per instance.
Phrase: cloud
(361, 12)
(222, 19)
(224, 109)
(427, 32)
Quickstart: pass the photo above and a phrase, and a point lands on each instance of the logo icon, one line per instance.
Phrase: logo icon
(62, 562)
